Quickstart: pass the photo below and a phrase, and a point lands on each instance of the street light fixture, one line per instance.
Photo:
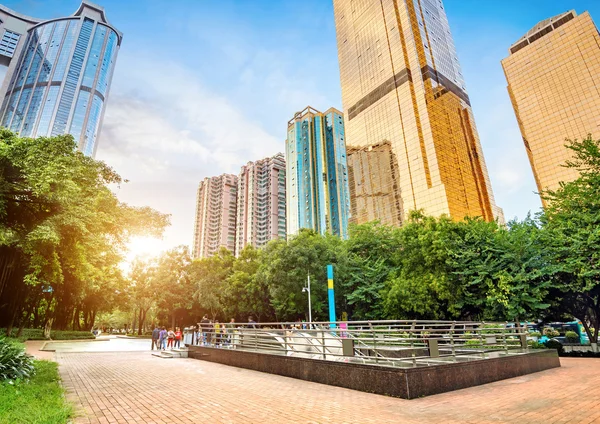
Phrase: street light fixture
(307, 290)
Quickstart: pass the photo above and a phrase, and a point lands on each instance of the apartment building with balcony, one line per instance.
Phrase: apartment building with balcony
(215, 222)
(261, 203)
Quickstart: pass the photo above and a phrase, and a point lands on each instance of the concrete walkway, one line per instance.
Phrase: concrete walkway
(136, 387)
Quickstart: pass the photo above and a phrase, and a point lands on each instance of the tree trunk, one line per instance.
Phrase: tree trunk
(9, 327)
(48, 328)
(173, 318)
(134, 320)
(140, 323)
(25, 319)
(90, 327)
(74, 317)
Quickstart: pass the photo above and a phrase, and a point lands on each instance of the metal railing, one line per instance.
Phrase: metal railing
(390, 343)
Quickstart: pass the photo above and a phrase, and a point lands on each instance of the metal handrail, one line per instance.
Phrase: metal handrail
(384, 342)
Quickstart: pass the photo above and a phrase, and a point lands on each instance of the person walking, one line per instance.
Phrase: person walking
(170, 338)
(155, 337)
(163, 338)
(178, 336)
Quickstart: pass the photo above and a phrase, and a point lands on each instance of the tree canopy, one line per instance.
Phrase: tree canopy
(62, 232)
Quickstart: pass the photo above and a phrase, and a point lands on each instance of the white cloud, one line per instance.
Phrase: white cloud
(164, 131)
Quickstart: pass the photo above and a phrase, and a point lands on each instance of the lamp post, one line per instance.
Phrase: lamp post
(307, 290)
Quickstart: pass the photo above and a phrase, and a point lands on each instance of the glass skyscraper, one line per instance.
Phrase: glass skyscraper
(407, 114)
(59, 73)
(553, 75)
(317, 173)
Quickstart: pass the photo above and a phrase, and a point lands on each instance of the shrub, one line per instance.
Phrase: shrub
(536, 345)
(553, 344)
(38, 334)
(572, 337)
(15, 364)
(495, 329)
(551, 332)
(535, 334)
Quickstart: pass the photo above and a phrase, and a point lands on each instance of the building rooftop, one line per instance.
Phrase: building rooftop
(542, 28)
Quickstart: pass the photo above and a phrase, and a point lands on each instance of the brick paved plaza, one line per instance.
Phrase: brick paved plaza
(135, 387)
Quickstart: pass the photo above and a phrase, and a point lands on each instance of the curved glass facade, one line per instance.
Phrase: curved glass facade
(61, 80)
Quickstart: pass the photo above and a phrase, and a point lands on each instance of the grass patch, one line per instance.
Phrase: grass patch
(37, 401)
(38, 334)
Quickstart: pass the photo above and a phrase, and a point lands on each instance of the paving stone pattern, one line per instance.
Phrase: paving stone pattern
(136, 387)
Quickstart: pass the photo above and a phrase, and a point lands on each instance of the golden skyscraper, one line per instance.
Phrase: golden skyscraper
(410, 132)
(553, 75)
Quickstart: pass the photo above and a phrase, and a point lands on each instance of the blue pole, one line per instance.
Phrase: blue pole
(330, 295)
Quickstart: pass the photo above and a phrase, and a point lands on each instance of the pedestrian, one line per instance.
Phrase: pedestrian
(251, 322)
(198, 330)
(204, 327)
(155, 337)
(178, 336)
(170, 338)
(163, 338)
(217, 333)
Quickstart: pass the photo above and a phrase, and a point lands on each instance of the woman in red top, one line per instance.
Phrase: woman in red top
(178, 336)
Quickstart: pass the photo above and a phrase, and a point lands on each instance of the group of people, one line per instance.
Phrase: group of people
(207, 332)
(210, 332)
(164, 339)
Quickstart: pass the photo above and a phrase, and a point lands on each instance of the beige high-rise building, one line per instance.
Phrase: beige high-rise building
(553, 75)
(261, 203)
(406, 107)
(215, 215)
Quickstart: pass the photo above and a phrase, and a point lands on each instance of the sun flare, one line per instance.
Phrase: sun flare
(142, 247)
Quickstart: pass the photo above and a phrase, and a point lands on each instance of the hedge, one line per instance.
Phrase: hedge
(38, 334)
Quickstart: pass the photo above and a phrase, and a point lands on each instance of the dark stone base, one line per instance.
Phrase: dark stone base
(406, 383)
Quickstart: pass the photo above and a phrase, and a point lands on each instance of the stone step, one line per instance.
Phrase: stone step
(175, 353)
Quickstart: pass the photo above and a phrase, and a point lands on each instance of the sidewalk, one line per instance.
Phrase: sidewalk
(136, 387)
(32, 347)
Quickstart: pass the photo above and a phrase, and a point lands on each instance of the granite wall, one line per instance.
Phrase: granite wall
(407, 383)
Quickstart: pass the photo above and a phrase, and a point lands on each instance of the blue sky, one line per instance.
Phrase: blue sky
(203, 86)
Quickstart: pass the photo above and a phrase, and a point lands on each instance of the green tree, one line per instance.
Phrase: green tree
(173, 282)
(498, 273)
(572, 237)
(286, 266)
(143, 290)
(371, 251)
(62, 232)
(420, 287)
(244, 294)
(209, 276)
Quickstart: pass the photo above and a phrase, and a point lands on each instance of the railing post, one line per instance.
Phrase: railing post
(434, 351)
(504, 336)
(452, 338)
(523, 336)
(323, 343)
